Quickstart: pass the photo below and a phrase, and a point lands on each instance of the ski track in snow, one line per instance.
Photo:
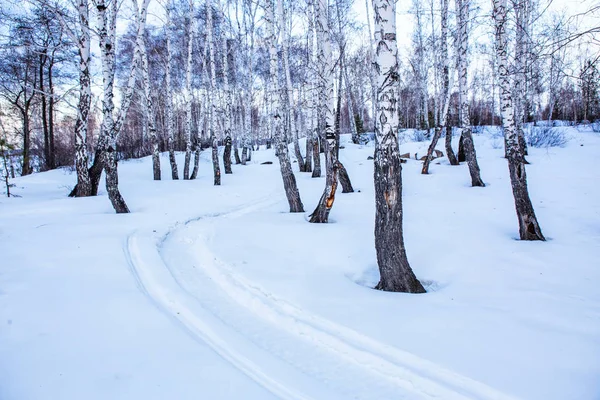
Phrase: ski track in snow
(155, 277)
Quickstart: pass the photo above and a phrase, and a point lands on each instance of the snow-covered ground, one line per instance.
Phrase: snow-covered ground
(219, 293)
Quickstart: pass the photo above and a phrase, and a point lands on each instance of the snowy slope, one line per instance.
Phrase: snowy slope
(219, 293)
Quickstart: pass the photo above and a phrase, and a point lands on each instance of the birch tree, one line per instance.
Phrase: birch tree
(446, 93)
(188, 91)
(529, 228)
(169, 87)
(289, 180)
(314, 139)
(396, 274)
(462, 7)
(81, 36)
(148, 104)
(111, 126)
(212, 125)
(325, 113)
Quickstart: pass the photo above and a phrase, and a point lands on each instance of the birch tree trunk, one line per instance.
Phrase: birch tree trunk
(288, 84)
(169, 100)
(529, 229)
(521, 32)
(289, 180)
(469, 147)
(150, 120)
(228, 106)
(212, 94)
(446, 79)
(84, 185)
(188, 92)
(325, 113)
(396, 274)
(314, 123)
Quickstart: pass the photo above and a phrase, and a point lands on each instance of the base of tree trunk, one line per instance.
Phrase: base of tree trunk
(436, 136)
(236, 155)
(215, 160)
(227, 155)
(449, 151)
(173, 161)
(196, 161)
(462, 157)
(316, 173)
(344, 178)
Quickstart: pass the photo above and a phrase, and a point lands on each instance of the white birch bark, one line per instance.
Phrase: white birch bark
(111, 126)
(529, 228)
(188, 91)
(212, 125)
(276, 117)
(313, 119)
(148, 105)
(462, 7)
(84, 187)
(169, 100)
(285, 38)
(325, 112)
(395, 271)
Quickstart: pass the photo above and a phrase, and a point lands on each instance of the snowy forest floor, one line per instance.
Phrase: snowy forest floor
(219, 293)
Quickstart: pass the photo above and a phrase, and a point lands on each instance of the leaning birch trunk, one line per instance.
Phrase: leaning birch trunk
(529, 229)
(110, 127)
(151, 124)
(84, 185)
(446, 80)
(469, 147)
(289, 180)
(325, 114)
(396, 274)
(212, 101)
(188, 93)
(169, 100)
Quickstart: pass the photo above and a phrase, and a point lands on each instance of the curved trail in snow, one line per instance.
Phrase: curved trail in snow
(183, 292)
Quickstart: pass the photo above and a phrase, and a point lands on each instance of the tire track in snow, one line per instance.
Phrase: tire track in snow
(153, 279)
(406, 371)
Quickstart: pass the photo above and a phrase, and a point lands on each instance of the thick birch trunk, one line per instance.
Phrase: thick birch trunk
(84, 185)
(396, 274)
(529, 228)
(469, 147)
(289, 180)
(446, 79)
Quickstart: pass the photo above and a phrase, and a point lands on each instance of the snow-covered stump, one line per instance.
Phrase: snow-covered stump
(529, 228)
(396, 274)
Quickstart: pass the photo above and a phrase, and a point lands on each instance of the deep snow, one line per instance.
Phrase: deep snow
(219, 293)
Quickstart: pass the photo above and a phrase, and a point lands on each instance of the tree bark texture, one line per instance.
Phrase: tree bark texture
(287, 175)
(529, 228)
(396, 274)
(462, 7)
